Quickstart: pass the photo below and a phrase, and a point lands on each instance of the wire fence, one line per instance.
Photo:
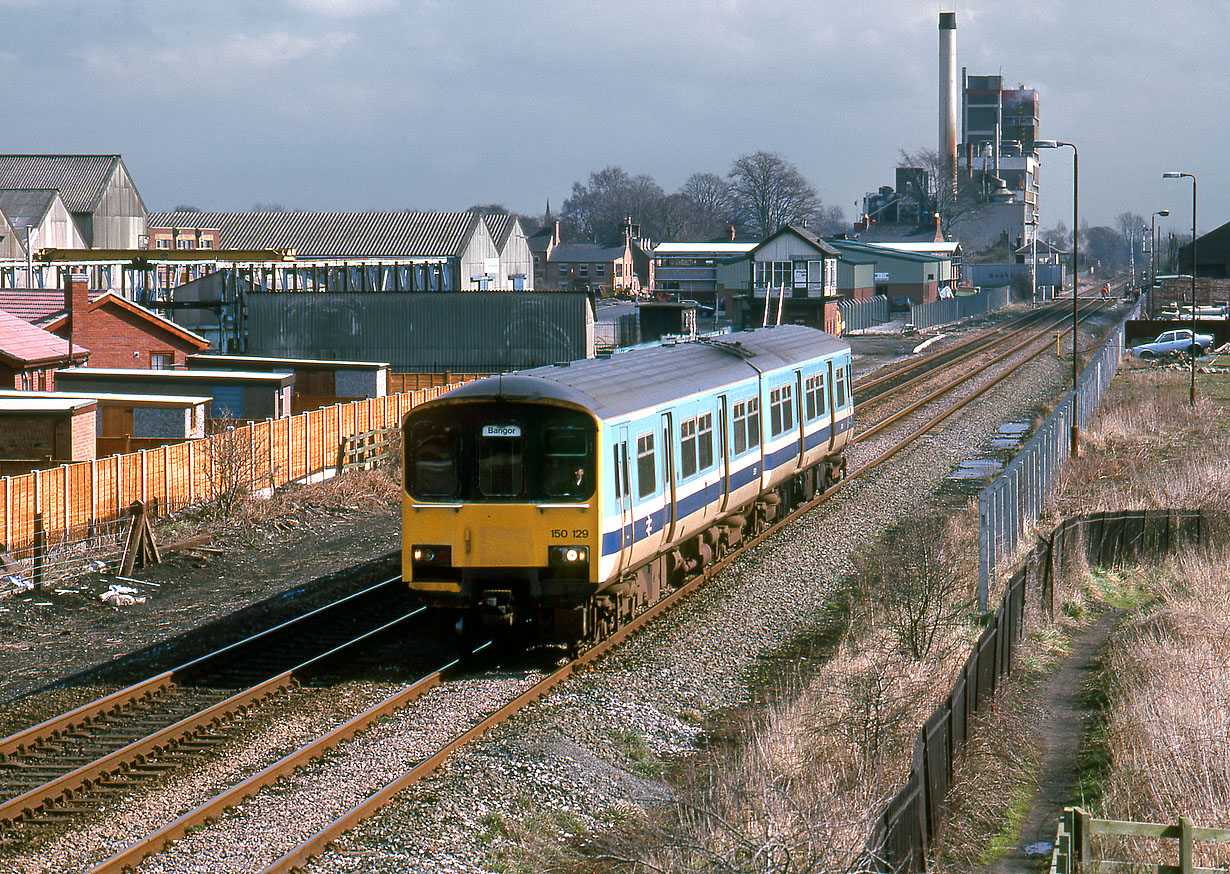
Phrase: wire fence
(55, 558)
(1014, 500)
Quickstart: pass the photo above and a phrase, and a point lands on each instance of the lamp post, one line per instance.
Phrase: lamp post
(1076, 281)
(1153, 255)
(1175, 174)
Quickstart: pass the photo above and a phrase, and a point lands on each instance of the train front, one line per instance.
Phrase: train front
(499, 510)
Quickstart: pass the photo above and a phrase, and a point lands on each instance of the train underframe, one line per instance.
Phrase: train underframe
(501, 608)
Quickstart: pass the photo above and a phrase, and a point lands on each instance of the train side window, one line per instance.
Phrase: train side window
(753, 422)
(787, 407)
(704, 441)
(619, 483)
(841, 386)
(501, 461)
(739, 416)
(775, 412)
(565, 458)
(433, 460)
(645, 479)
(687, 447)
(781, 409)
(814, 389)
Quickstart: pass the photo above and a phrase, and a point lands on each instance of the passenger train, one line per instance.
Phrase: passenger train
(564, 499)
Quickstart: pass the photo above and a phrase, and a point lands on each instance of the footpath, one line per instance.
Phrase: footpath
(1068, 717)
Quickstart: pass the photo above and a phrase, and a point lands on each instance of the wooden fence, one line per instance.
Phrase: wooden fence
(1073, 851)
(404, 382)
(276, 451)
(913, 818)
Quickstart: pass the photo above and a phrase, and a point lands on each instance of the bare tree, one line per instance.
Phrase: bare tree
(597, 211)
(951, 197)
(489, 209)
(713, 204)
(771, 192)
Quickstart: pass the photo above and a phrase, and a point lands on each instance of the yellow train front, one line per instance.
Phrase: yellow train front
(500, 517)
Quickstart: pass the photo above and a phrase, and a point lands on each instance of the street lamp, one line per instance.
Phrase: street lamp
(1076, 280)
(1175, 174)
(1153, 254)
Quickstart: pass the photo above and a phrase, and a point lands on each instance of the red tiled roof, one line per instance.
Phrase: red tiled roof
(36, 307)
(24, 345)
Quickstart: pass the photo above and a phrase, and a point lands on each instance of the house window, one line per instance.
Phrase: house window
(207, 243)
(184, 244)
(164, 243)
(563, 270)
(583, 271)
(600, 271)
(161, 360)
(619, 269)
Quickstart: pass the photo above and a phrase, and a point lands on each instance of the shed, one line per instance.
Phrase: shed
(317, 378)
(41, 432)
(234, 393)
(167, 418)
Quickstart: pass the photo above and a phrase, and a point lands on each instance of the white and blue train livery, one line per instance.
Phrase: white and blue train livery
(568, 497)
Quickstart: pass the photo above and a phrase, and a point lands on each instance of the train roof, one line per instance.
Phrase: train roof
(640, 378)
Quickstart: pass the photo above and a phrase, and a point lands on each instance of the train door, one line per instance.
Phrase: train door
(798, 410)
(623, 496)
(832, 409)
(723, 452)
(668, 478)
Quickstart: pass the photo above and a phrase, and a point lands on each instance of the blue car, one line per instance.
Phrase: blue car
(1174, 341)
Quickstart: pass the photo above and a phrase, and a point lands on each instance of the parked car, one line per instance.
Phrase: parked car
(1174, 341)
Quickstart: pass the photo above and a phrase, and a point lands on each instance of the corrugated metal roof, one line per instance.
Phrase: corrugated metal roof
(25, 344)
(26, 206)
(335, 234)
(636, 380)
(80, 179)
(500, 227)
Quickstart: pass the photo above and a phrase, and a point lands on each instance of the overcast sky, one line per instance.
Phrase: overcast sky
(441, 104)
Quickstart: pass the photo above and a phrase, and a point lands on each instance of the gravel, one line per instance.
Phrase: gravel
(587, 755)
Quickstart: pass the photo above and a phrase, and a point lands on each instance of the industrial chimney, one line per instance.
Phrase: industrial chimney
(948, 92)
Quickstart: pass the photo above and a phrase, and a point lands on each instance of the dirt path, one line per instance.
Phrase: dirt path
(1068, 717)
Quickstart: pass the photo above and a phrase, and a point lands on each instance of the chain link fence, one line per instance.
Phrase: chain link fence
(1014, 500)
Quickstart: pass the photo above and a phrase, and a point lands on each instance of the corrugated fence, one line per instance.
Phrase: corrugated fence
(268, 454)
(912, 819)
(858, 315)
(953, 309)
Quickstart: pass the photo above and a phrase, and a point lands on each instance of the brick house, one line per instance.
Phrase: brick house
(30, 356)
(119, 332)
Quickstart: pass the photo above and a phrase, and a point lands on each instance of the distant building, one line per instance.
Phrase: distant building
(600, 270)
(900, 272)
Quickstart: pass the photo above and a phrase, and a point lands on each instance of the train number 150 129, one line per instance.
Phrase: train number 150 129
(563, 533)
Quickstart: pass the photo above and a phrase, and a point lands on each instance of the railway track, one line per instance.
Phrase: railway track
(74, 763)
(316, 843)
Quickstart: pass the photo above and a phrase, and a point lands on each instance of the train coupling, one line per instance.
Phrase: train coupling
(496, 609)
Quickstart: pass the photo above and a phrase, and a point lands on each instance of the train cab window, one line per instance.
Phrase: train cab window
(501, 461)
(704, 441)
(646, 483)
(565, 456)
(841, 386)
(432, 464)
(816, 401)
(781, 409)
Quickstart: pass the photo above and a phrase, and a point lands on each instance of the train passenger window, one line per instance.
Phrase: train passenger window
(740, 418)
(814, 389)
(704, 441)
(565, 452)
(753, 422)
(433, 460)
(619, 483)
(645, 480)
(501, 461)
(687, 447)
(781, 409)
(841, 386)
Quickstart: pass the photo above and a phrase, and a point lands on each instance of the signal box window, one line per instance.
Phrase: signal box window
(564, 458)
(501, 461)
(645, 483)
(432, 467)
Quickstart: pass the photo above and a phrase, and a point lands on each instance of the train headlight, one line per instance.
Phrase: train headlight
(431, 556)
(568, 556)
